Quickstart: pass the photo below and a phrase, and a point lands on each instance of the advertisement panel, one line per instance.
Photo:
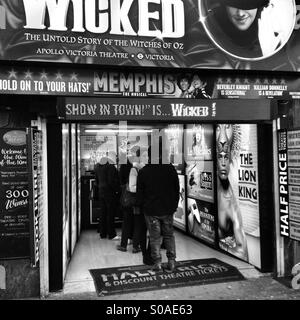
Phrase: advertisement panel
(105, 82)
(95, 146)
(14, 194)
(199, 142)
(201, 220)
(238, 194)
(167, 33)
(200, 180)
(292, 185)
(283, 183)
(173, 146)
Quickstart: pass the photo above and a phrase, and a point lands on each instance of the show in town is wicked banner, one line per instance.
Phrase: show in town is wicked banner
(157, 33)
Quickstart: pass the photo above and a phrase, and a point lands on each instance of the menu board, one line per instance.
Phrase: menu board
(14, 194)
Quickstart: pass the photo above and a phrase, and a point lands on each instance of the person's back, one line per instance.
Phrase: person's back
(108, 184)
(107, 178)
(158, 195)
(158, 189)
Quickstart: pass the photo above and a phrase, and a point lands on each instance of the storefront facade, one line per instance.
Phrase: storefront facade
(129, 65)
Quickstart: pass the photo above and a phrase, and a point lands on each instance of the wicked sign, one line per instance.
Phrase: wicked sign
(157, 33)
(73, 109)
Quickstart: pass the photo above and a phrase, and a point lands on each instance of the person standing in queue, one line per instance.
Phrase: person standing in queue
(107, 180)
(127, 224)
(158, 196)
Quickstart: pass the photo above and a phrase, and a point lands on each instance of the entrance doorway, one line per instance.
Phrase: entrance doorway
(193, 150)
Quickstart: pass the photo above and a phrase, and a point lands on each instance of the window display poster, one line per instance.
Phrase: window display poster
(14, 194)
(199, 142)
(179, 217)
(131, 141)
(201, 220)
(200, 180)
(173, 141)
(238, 202)
(94, 147)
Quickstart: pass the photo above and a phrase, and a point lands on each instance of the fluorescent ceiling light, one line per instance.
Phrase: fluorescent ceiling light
(114, 131)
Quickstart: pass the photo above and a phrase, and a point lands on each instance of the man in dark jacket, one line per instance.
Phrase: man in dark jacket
(158, 196)
(107, 180)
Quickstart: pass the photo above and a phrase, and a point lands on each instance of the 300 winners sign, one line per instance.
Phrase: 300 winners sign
(14, 194)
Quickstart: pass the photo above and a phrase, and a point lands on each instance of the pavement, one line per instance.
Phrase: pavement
(262, 287)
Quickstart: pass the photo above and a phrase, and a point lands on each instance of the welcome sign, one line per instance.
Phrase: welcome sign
(158, 33)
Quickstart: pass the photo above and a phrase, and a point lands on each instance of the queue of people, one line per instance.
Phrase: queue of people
(148, 223)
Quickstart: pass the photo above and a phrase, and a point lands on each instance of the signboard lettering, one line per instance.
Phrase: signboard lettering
(157, 33)
(112, 16)
(128, 109)
(14, 194)
(102, 82)
(283, 183)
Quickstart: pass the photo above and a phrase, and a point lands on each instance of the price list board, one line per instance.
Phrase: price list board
(14, 194)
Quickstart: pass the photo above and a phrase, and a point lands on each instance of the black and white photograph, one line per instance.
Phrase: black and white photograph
(149, 155)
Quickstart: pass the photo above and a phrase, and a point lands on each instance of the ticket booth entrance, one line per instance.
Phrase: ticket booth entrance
(194, 134)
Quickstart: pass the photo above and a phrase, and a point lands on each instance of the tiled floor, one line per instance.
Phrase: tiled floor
(92, 252)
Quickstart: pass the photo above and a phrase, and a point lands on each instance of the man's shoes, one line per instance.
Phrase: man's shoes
(116, 238)
(136, 250)
(148, 261)
(157, 268)
(120, 248)
(170, 266)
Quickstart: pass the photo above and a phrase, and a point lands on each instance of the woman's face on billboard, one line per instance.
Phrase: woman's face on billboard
(241, 19)
(184, 84)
